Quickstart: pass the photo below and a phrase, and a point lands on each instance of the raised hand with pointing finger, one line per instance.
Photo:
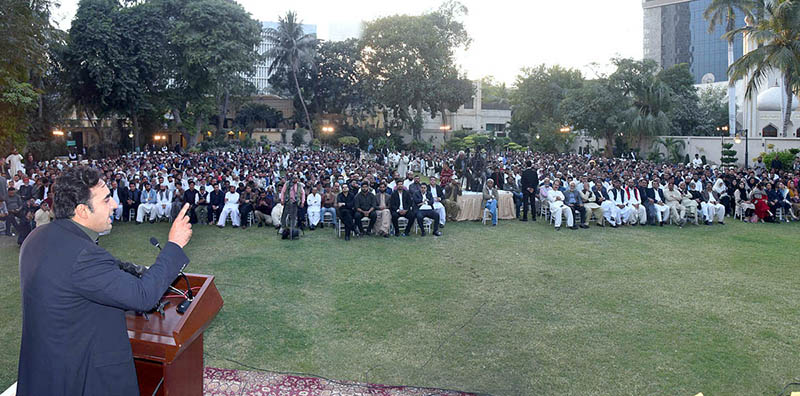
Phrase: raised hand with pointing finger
(181, 231)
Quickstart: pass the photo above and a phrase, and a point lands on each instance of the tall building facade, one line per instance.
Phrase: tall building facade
(261, 77)
(675, 32)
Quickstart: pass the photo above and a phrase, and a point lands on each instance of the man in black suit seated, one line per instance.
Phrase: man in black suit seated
(75, 294)
(401, 205)
(423, 202)
(133, 197)
(190, 196)
(364, 204)
(344, 209)
(215, 204)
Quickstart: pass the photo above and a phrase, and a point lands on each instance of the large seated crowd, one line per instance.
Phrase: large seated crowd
(388, 193)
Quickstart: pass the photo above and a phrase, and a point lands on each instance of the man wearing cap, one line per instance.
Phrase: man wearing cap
(149, 199)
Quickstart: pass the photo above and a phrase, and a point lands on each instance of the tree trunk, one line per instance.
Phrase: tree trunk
(787, 111)
(302, 102)
(731, 96)
(609, 150)
(136, 132)
(191, 140)
(198, 127)
(416, 128)
(223, 111)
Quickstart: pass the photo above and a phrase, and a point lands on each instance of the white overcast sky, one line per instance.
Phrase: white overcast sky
(507, 34)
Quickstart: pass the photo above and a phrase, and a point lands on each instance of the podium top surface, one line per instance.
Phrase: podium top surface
(163, 337)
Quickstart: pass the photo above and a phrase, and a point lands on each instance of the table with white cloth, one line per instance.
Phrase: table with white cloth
(469, 205)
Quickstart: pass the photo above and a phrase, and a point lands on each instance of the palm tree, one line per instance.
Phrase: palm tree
(674, 148)
(721, 12)
(648, 114)
(291, 48)
(778, 37)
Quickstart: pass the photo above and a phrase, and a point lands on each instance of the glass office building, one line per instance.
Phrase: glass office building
(676, 32)
(261, 77)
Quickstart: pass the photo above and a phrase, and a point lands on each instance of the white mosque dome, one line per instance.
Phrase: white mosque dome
(770, 100)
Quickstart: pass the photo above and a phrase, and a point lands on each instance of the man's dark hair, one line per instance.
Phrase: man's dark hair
(72, 189)
(528, 163)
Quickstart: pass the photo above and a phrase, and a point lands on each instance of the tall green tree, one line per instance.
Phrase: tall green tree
(724, 12)
(684, 110)
(494, 92)
(598, 110)
(291, 49)
(777, 36)
(536, 101)
(713, 110)
(213, 44)
(410, 61)
(100, 76)
(116, 62)
(651, 98)
(26, 33)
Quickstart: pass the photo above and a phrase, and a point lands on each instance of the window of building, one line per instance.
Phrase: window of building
(769, 131)
(470, 104)
(495, 127)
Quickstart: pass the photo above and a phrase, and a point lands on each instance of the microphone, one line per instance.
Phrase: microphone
(184, 305)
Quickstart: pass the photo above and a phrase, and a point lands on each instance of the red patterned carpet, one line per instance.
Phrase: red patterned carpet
(224, 382)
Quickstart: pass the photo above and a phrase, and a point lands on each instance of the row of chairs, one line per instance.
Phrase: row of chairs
(401, 222)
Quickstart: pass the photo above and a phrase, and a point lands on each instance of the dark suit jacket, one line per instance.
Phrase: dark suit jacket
(417, 197)
(529, 179)
(122, 193)
(394, 201)
(439, 191)
(135, 196)
(217, 198)
(74, 297)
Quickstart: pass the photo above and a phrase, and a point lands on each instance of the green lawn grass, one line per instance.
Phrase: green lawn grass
(518, 309)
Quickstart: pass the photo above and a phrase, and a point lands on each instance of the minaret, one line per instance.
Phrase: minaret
(749, 105)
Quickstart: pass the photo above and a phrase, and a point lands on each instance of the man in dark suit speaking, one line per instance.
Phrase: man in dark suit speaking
(74, 295)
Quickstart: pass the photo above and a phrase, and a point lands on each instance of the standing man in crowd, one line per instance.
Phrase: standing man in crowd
(74, 295)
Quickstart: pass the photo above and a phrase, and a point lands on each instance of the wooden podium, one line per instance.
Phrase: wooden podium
(168, 350)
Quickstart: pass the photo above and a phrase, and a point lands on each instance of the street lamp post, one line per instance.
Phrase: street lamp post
(738, 140)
